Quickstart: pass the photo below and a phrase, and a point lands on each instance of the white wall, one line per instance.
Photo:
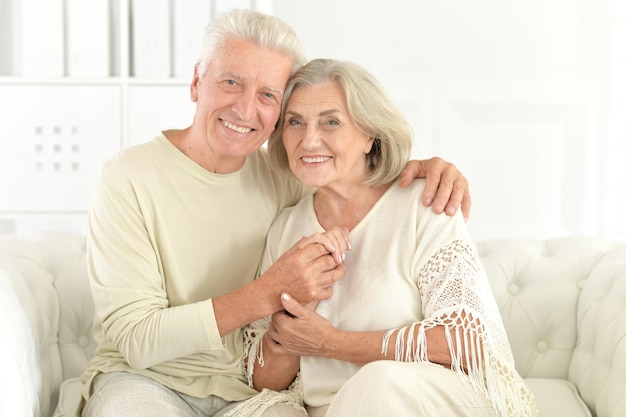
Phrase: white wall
(514, 93)
(520, 95)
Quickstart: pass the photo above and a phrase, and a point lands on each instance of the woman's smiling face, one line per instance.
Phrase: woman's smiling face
(324, 146)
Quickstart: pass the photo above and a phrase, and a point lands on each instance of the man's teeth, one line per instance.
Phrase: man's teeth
(315, 159)
(236, 128)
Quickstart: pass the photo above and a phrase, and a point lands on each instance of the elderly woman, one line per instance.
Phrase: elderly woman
(412, 328)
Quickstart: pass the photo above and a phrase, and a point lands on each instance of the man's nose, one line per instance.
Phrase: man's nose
(245, 105)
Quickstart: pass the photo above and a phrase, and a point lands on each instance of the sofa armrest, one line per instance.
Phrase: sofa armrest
(21, 390)
(25, 265)
(599, 360)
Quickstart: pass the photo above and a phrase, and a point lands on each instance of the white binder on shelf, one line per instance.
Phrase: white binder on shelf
(150, 49)
(190, 18)
(7, 38)
(88, 38)
(40, 32)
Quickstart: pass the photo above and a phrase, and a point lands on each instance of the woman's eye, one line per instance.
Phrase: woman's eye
(293, 122)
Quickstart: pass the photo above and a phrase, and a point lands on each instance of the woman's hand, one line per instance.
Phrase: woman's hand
(336, 241)
(299, 331)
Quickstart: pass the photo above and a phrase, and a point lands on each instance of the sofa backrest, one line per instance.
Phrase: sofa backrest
(537, 285)
(68, 265)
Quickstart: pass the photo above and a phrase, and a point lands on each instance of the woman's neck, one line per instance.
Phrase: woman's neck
(346, 207)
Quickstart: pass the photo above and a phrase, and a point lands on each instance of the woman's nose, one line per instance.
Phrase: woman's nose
(312, 137)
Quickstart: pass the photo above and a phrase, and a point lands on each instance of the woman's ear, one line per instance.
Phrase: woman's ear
(370, 144)
(374, 145)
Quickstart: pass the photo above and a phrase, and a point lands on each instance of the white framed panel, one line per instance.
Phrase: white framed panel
(54, 140)
(525, 162)
(154, 108)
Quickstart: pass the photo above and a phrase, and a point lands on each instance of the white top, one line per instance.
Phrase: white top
(409, 269)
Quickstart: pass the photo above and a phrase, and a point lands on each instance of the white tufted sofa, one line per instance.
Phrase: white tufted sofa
(563, 302)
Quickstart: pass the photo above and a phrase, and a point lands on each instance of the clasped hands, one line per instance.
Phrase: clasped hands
(298, 329)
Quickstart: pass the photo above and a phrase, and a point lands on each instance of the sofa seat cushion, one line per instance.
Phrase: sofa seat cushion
(557, 397)
(69, 397)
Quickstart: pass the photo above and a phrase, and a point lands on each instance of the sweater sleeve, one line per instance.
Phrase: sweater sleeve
(456, 295)
(128, 283)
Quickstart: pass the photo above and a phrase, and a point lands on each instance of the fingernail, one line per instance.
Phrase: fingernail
(343, 257)
(285, 296)
(428, 201)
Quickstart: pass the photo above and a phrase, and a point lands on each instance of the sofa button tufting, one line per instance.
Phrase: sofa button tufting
(542, 346)
(513, 289)
(83, 341)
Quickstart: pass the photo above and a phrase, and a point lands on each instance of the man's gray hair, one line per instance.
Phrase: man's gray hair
(268, 31)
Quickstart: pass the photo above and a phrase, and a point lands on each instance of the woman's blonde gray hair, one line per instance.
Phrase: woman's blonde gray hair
(268, 31)
(369, 106)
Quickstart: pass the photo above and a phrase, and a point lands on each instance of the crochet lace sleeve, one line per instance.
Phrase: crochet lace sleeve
(456, 295)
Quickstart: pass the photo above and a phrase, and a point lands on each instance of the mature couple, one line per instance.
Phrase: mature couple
(382, 308)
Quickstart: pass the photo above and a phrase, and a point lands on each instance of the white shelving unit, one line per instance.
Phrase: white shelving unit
(56, 131)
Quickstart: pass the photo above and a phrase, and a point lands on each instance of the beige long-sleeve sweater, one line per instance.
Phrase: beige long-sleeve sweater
(165, 237)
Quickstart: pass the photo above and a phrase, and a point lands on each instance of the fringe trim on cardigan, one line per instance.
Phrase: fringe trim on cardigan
(476, 362)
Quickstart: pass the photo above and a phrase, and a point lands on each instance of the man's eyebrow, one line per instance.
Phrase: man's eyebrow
(232, 74)
(275, 89)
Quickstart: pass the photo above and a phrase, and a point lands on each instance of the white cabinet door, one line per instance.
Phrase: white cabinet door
(54, 140)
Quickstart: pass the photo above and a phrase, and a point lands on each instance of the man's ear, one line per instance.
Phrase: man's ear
(193, 88)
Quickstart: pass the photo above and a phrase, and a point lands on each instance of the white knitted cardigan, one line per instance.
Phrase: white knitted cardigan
(456, 295)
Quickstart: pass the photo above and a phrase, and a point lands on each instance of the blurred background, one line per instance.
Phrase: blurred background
(528, 99)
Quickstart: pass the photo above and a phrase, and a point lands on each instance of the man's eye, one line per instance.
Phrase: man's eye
(231, 82)
(269, 95)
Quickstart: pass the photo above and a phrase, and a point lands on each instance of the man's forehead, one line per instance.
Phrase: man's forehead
(247, 61)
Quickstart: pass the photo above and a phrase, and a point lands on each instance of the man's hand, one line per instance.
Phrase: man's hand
(446, 188)
(307, 271)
